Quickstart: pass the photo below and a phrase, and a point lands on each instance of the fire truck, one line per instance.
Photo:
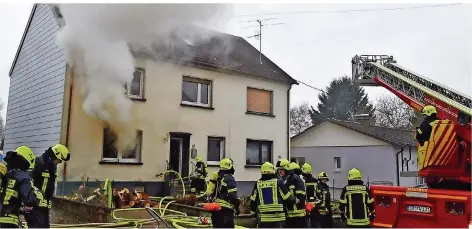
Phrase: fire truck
(444, 161)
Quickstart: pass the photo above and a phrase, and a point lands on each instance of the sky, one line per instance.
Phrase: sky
(317, 47)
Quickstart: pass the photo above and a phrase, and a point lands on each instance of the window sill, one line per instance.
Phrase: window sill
(119, 163)
(252, 166)
(196, 106)
(137, 99)
(213, 165)
(260, 114)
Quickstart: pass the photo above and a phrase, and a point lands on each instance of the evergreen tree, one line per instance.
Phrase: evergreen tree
(341, 100)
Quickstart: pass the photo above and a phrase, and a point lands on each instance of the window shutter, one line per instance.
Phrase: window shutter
(259, 101)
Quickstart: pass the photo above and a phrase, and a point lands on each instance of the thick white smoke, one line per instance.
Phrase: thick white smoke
(97, 40)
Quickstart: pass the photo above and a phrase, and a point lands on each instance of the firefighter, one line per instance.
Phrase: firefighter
(424, 131)
(325, 213)
(356, 203)
(17, 187)
(44, 178)
(226, 196)
(295, 213)
(269, 197)
(311, 184)
(281, 169)
(197, 185)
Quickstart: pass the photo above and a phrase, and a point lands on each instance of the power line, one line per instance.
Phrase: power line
(348, 11)
(310, 86)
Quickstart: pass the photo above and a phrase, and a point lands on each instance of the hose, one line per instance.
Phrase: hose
(178, 175)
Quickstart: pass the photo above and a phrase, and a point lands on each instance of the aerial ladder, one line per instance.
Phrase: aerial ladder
(444, 161)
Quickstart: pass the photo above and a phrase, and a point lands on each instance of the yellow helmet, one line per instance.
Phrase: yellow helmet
(214, 176)
(267, 168)
(61, 152)
(26, 153)
(306, 168)
(199, 159)
(429, 110)
(283, 164)
(354, 174)
(293, 166)
(323, 175)
(226, 164)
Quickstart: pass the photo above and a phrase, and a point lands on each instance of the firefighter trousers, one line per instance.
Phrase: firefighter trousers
(279, 224)
(313, 220)
(197, 186)
(326, 221)
(223, 218)
(296, 222)
(38, 218)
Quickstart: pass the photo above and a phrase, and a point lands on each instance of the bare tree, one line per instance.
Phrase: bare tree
(300, 118)
(390, 111)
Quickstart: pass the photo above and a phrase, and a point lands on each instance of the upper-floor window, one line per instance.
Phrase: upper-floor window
(111, 154)
(196, 91)
(136, 88)
(216, 150)
(259, 101)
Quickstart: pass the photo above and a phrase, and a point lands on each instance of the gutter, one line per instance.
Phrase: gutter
(288, 122)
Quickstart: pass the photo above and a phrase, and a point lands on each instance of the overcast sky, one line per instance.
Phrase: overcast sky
(317, 47)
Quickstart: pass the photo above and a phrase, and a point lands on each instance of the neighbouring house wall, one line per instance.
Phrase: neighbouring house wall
(162, 113)
(35, 99)
(408, 165)
(375, 162)
(329, 134)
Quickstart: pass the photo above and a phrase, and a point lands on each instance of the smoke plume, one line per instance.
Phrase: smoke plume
(97, 40)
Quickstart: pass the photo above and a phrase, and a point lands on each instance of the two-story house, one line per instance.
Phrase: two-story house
(216, 104)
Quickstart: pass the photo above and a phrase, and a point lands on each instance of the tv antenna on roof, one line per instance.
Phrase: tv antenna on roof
(258, 32)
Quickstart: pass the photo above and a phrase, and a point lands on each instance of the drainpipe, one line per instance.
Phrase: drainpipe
(288, 122)
(409, 159)
(69, 109)
(398, 167)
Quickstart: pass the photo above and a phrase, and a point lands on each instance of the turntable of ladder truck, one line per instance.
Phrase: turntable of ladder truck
(444, 161)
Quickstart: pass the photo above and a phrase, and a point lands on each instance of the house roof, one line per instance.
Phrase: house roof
(221, 51)
(397, 137)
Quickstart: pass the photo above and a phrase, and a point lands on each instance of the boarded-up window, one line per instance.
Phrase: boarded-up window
(259, 101)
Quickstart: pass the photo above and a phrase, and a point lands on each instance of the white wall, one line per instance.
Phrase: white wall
(162, 113)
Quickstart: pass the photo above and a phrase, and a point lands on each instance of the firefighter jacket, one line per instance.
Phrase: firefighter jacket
(269, 197)
(311, 184)
(201, 170)
(356, 203)
(44, 178)
(297, 188)
(17, 188)
(211, 187)
(227, 193)
(325, 199)
(424, 131)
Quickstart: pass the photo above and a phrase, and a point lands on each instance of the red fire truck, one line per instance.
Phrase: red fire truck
(444, 161)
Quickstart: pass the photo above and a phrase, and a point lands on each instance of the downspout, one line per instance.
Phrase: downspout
(408, 161)
(398, 167)
(69, 109)
(288, 122)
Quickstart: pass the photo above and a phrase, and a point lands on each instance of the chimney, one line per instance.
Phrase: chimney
(364, 119)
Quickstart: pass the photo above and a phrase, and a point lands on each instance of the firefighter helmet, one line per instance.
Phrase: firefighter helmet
(306, 168)
(429, 110)
(199, 159)
(293, 166)
(283, 164)
(226, 164)
(323, 175)
(61, 152)
(354, 174)
(267, 168)
(26, 153)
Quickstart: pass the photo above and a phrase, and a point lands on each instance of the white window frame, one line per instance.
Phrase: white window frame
(141, 86)
(336, 168)
(199, 92)
(269, 143)
(119, 157)
(222, 149)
